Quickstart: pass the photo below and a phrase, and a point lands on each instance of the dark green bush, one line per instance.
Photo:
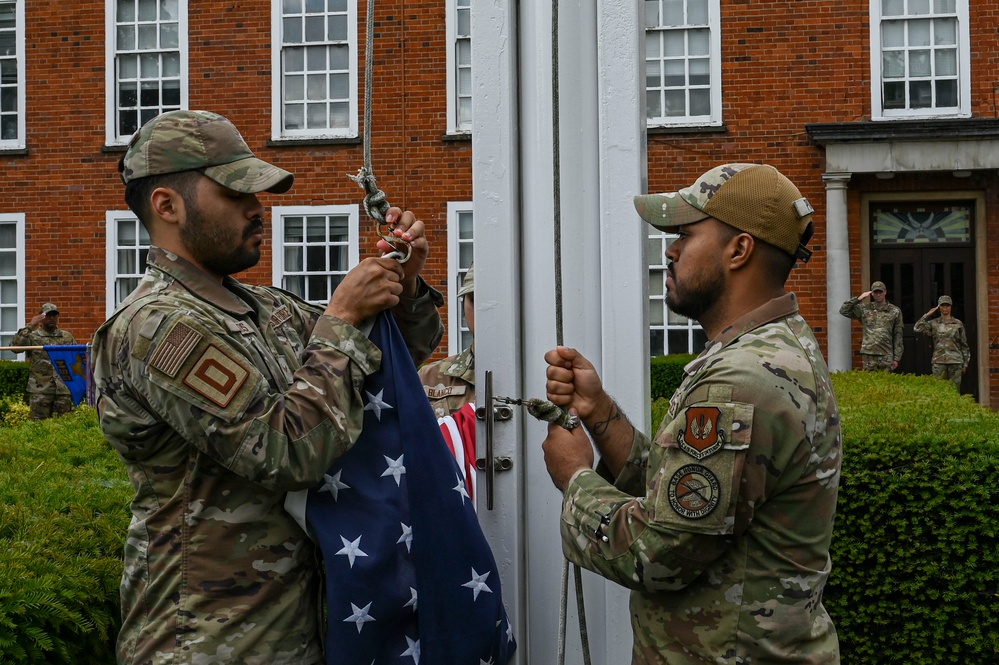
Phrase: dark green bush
(667, 373)
(915, 555)
(63, 515)
(13, 378)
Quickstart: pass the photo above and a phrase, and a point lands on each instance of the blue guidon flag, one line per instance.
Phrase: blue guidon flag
(410, 576)
(71, 364)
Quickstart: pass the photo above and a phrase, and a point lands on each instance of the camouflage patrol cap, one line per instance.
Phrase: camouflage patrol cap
(878, 286)
(468, 281)
(945, 300)
(755, 198)
(49, 307)
(183, 140)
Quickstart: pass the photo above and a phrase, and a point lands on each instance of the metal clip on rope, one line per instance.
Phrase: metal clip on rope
(376, 205)
(544, 410)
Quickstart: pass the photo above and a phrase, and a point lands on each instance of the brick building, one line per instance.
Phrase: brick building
(884, 112)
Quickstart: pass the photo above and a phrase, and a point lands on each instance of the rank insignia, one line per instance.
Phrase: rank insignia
(702, 435)
(693, 491)
(217, 376)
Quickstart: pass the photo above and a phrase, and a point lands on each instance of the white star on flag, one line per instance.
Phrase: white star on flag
(412, 601)
(333, 484)
(376, 404)
(406, 537)
(360, 615)
(413, 650)
(395, 468)
(351, 549)
(477, 584)
(460, 489)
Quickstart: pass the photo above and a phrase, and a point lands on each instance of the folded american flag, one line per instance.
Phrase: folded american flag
(410, 576)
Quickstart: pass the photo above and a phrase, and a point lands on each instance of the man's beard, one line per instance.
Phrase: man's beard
(699, 294)
(217, 248)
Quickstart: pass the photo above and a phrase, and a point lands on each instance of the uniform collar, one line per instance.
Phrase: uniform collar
(778, 308)
(197, 281)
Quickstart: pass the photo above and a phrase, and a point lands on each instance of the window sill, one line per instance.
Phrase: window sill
(291, 142)
(13, 152)
(687, 129)
(457, 137)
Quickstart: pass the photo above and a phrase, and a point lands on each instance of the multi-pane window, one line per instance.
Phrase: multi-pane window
(127, 246)
(11, 74)
(460, 255)
(315, 95)
(920, 58)
(11, 279)
(668, 332)
(459, 63)
(682, 62)
(149, 64)
(314, 248)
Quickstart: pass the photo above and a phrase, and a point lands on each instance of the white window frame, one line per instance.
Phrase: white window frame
(455, 126)
(278, 131)
(963, 109)
(280, 213)
(112, 137)
(112, 218)
(714, 118)
(17, 219)
(659, 241)
(18, 142)
(460, 246)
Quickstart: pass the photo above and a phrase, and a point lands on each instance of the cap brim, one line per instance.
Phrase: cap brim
(667, 211)
(250, 176)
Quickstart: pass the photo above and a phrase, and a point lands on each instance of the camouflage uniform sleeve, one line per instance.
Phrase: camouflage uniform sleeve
(851, 309)
(962, 340)
(923, 325)
(22, 337)
(420, 322)
(686, 519)
(186, 372)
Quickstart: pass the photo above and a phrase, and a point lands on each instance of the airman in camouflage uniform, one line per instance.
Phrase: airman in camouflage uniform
(47, 393)
(951, 353)
(721, 524)
(881, 322)
(221, 397)
(450, 383)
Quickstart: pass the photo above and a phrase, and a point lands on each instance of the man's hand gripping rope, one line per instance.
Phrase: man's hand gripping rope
(376, 205)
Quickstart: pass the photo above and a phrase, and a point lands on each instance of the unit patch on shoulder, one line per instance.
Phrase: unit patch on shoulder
(174, 349)
(693, 491)
(702, 434)
(217, 376)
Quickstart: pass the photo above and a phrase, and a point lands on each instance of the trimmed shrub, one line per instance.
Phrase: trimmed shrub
(666, 375)
(915, 550)
(14, 411)
(63, 515)
(13, 379)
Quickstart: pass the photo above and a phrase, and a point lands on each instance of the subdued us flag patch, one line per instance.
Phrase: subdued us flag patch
(174, 349)
(216, 376)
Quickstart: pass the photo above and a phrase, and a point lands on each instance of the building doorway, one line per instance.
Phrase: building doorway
(922, 250)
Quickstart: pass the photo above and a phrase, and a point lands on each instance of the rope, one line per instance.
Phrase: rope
(375, 202)
(557, 197)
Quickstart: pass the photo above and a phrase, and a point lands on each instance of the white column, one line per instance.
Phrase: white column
(839, 356)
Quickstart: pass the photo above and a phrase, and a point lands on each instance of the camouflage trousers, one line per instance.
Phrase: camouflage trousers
(45, 406)
(874, 363)
(951, 371)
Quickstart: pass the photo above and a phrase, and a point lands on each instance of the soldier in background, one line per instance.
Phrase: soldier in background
(47, 394)
(951, 353)
(881, 323)
(450, 387)
(221, 397)
(721, 525)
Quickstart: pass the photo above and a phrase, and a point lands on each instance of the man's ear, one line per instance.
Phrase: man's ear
(166, 204)
(739, 249)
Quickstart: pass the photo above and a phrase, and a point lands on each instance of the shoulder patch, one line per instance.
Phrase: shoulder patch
(693, 491)
(216, 375)
(702, 434)
(171, 353)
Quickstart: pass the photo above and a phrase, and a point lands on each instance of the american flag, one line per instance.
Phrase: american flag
(458, 429)
(410, 576)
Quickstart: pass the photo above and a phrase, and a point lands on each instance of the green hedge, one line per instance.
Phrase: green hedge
(915, 555)
(63, 515)
(666, 374)
(13, 378)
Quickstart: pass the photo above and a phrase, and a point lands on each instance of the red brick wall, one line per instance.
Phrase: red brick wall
(68, 181)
